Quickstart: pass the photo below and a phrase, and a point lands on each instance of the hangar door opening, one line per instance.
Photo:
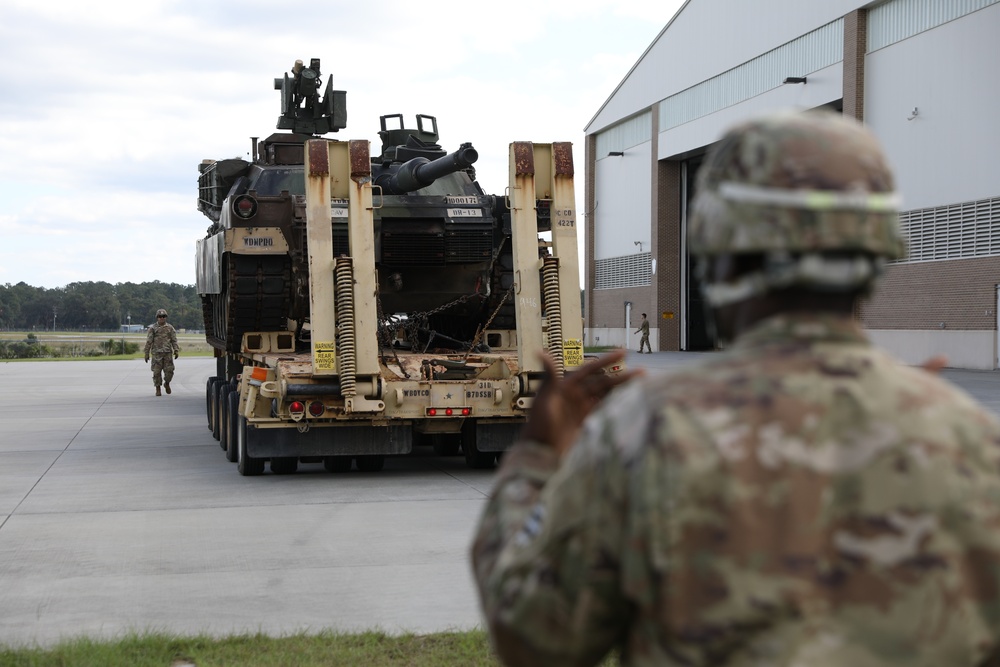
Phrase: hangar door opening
(697, 334)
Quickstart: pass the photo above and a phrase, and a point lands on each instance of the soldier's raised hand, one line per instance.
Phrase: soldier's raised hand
(562, 404)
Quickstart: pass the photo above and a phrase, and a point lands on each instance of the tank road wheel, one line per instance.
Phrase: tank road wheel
(338, 464)
(232, 409)
(246, 465)
(284, 465)
(370, 462)
(208, 400)
(473, 457)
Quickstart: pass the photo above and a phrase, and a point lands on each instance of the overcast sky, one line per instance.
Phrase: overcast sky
(107, 108)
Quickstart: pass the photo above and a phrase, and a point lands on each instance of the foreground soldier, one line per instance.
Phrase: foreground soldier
(800, 499)
(161, 343)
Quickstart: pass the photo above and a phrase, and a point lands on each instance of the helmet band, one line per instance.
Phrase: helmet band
(813, 200)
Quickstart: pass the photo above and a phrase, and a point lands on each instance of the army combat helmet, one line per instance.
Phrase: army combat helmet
(811, 193)
(161, 313)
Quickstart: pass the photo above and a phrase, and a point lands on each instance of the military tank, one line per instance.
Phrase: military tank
(442, 245)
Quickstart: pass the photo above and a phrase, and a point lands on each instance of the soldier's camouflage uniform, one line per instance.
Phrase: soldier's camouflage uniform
(802, 499)
(161, 345)
(644, 338)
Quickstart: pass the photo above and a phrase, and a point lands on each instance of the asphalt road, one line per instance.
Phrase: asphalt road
(119, 512)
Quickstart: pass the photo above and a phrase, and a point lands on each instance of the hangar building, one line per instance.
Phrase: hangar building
(923, 75)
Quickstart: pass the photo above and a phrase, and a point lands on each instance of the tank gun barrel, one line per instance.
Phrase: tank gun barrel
(421, 172)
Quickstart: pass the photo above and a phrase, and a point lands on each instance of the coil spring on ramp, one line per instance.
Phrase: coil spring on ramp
(344, 306)
(553, 310)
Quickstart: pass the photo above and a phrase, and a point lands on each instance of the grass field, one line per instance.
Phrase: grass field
(66, 345)
(371, 649)
(327, 649)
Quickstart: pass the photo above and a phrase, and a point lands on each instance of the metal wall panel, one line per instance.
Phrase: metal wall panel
(896, 20)
(807, 54)
(626, 134)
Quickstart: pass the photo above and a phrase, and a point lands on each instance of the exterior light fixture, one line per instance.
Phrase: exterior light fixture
(616, 153)
(794, 79)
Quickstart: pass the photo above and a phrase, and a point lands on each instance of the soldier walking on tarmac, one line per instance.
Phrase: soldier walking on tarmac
(798, 499)
(161, 344)
(644, 330)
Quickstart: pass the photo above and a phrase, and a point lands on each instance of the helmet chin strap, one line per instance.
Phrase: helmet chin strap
(810, 271)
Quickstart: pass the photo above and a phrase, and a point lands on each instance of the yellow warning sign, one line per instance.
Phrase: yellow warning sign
(325, 356)
(572, 352)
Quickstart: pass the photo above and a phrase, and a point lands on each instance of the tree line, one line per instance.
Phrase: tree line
(97, 306)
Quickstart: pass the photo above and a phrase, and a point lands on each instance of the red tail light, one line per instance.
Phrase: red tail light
(448, 412)
(316, 409)
(296, 406)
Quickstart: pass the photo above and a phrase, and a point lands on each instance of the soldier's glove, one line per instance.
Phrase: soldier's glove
(176, 354)
(147, 358)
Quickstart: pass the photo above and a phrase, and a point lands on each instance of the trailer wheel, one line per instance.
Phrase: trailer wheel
(232, 425)
(370, 462)
(208, 399)
(223, 415)
(216, 405)
(446, 444)
(338, 464)
(224, 430)
(284, 465)
(246, 465)
(477, 459)
(473, 457)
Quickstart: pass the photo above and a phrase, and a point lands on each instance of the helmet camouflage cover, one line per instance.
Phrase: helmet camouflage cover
(796, 183)
(161, 312)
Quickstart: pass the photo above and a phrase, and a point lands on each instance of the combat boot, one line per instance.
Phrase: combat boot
(157, 390)
(166, 385)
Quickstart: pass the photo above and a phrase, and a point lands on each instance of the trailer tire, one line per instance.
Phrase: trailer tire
(224, 390)
(232, 424)
(284, 465)
(338, 464)
(224, 430)
(370, 462)
(216, 405)
(478, 460)
(446, 444)
(246, 465)
(473, 457)
(208, 399)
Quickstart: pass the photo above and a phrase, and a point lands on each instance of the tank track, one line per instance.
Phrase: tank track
(256, 296)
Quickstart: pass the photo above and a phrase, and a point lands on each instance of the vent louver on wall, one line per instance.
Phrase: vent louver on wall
(626, 271)
(969, 229)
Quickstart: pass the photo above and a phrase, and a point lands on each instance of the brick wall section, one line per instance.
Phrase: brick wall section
(609, 306)
(589, 198)
(961, 293)
(855, 46)
(668, 254)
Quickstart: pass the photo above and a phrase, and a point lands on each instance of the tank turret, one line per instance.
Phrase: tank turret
(419, 172)
(412, 159)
